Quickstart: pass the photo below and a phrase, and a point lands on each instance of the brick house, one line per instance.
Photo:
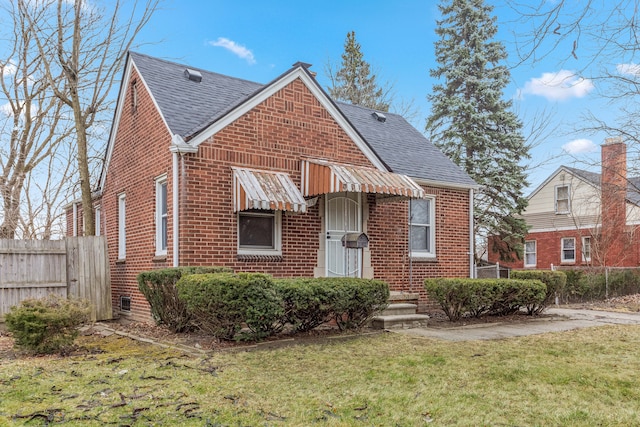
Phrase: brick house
(206, 169)
(578, 218)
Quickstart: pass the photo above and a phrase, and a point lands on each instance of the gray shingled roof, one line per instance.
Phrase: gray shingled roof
(189, 107)
(633, 183)
(402, 148)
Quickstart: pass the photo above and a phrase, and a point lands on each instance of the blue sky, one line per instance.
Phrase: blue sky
(259, 40)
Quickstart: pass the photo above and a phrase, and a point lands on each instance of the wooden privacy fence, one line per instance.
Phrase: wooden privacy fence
(76, 267)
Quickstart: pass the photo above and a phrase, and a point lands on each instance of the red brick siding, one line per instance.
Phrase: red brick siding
(141, 153)
(548, 250)
(389, 242)
(274, 135)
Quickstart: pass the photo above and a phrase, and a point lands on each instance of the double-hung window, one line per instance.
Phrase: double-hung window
(122, 230)
(422, 233)
(259, 232)
(586, 248)
(530, 253)
(568, 249)
(161, 216)
(562, 202)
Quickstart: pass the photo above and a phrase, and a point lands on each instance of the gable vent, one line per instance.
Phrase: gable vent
(193, 75)
(379, 116)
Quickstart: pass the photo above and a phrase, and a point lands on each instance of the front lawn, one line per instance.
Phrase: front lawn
(583, 377)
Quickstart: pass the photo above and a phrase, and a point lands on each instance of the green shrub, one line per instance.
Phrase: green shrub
(452, 295)
(513, 294)
(356, 301)
(47, 325)
(576, 287)
(222, 303)
(462, 296)
(307, 303)
(555, 281)
(159, 288)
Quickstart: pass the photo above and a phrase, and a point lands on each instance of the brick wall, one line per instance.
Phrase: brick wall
(548, 250)
(274, 136)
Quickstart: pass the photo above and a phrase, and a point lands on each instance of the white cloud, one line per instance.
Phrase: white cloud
(8, 69)
(580, 146)
(629, 69)
(558, 86)
(235, 48)
(5, 110)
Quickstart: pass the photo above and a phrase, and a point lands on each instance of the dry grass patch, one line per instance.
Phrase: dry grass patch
(584, 377)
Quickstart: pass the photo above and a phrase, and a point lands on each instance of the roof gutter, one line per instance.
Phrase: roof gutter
(444, 184)
(178, 147)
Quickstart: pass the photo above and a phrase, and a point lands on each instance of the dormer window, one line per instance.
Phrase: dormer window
(563, 205)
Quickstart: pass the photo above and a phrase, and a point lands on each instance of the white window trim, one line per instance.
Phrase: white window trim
(562, 258)
(122, 226)
(535, 252)
(555, 198)
(277, 249)
(432, 232)
(160, 181)
(584, 238)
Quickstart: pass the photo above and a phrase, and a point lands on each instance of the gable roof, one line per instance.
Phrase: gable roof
(194, 110)
(188, 106)
(593, 178)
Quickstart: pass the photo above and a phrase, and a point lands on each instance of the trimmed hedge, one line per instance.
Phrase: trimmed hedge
(356, 301)
(222, 303)
(590, 285)
(47, 325)
(159, 288)
(555, 281)
(475, 297)
(307, 303)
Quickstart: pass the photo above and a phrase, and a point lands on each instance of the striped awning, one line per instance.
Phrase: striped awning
(322, 177)
(258, 189)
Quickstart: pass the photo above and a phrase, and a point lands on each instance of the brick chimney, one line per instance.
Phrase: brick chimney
(614, 192)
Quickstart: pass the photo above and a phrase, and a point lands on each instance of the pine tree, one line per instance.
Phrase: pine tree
(474, 125)
(354, 82)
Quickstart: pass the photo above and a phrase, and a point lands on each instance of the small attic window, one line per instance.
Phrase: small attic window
(134, 96)
(193, 75)
(379, 116)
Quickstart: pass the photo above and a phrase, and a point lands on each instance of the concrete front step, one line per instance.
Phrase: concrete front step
(403, 297)
(399, 309)
(404, 321)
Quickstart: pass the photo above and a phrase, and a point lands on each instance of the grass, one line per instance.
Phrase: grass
(579, 378)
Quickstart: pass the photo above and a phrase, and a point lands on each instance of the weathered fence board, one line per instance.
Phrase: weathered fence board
(88, 273)
(76, 267)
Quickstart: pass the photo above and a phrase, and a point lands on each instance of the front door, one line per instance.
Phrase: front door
(343, 215)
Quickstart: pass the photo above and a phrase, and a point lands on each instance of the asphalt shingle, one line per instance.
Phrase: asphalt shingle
(189, 107)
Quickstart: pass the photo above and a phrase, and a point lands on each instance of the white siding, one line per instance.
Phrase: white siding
(584, 200)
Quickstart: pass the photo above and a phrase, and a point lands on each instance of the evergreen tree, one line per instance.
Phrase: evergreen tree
(472, 123)
(354, 82)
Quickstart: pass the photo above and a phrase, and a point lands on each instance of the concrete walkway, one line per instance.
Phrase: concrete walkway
(564, 319)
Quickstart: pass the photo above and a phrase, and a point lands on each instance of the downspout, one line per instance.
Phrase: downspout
(178, 147)
(409, 248)
(75, 219)
(176, 212)
(472, 237)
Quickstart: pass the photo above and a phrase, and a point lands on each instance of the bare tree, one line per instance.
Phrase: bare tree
(32, 123)
(90, 45)
(597, 39)
(45, 192)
